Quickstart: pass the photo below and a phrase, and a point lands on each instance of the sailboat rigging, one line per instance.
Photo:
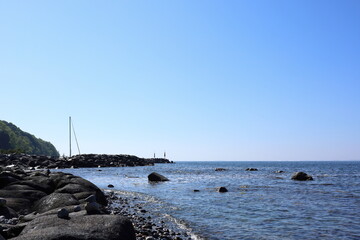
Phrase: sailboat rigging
(71, 125)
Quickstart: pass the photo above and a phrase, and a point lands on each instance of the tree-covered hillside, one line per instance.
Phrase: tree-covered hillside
(13, 139)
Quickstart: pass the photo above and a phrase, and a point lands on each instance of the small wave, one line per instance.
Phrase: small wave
(184, 226)
(160, 209)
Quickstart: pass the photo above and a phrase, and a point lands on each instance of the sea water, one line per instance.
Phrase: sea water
(259, 204)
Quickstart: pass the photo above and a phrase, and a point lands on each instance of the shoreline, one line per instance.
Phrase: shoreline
(32, 201)
(147, 223)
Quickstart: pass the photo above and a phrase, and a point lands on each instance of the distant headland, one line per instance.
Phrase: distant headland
(14, 140)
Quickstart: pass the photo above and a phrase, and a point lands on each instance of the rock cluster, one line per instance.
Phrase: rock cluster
(54, 205)
(78, 161)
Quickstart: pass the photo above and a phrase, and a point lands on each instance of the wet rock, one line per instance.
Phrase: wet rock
(279, 171)
(156, 177)
(222, 189)
(196, 190)
(110, 186)
(301, 176)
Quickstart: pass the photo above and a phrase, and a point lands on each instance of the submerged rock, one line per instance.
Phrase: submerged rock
(301, 176)
(156, 177)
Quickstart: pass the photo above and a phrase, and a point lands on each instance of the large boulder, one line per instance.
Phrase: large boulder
(54, 200)
(32, 195)
(156, 177)
(301, 176)
(6, 179)
(20, 205)
(79, 227)
(79, 187)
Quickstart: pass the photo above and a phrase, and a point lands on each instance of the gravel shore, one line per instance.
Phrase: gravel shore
(147, 224)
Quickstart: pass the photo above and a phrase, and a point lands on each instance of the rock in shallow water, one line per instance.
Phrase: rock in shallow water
(156, 177)
(222, 189)
(301, 176)
(251, 169)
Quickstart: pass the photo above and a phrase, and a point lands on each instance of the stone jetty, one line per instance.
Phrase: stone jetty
(77, 161)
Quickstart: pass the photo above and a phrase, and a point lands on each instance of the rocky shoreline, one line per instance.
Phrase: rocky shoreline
(147, 225)
(40, 204)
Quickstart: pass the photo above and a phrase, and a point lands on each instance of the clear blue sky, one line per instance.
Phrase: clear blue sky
(203, 80)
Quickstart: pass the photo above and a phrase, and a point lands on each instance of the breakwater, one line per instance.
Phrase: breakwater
(78, 161)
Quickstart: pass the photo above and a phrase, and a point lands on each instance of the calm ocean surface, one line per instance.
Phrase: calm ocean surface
(259, 205)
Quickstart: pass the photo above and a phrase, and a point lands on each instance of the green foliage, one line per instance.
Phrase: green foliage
(14, 140)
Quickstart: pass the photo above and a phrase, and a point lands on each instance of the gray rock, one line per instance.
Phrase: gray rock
(90, 199)
(31, 195)
(20, 205)
(63, 213)
(76, 185)
(301, 176)
(53, 201)
(79, 227)
(92, 208)
(156, 177)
